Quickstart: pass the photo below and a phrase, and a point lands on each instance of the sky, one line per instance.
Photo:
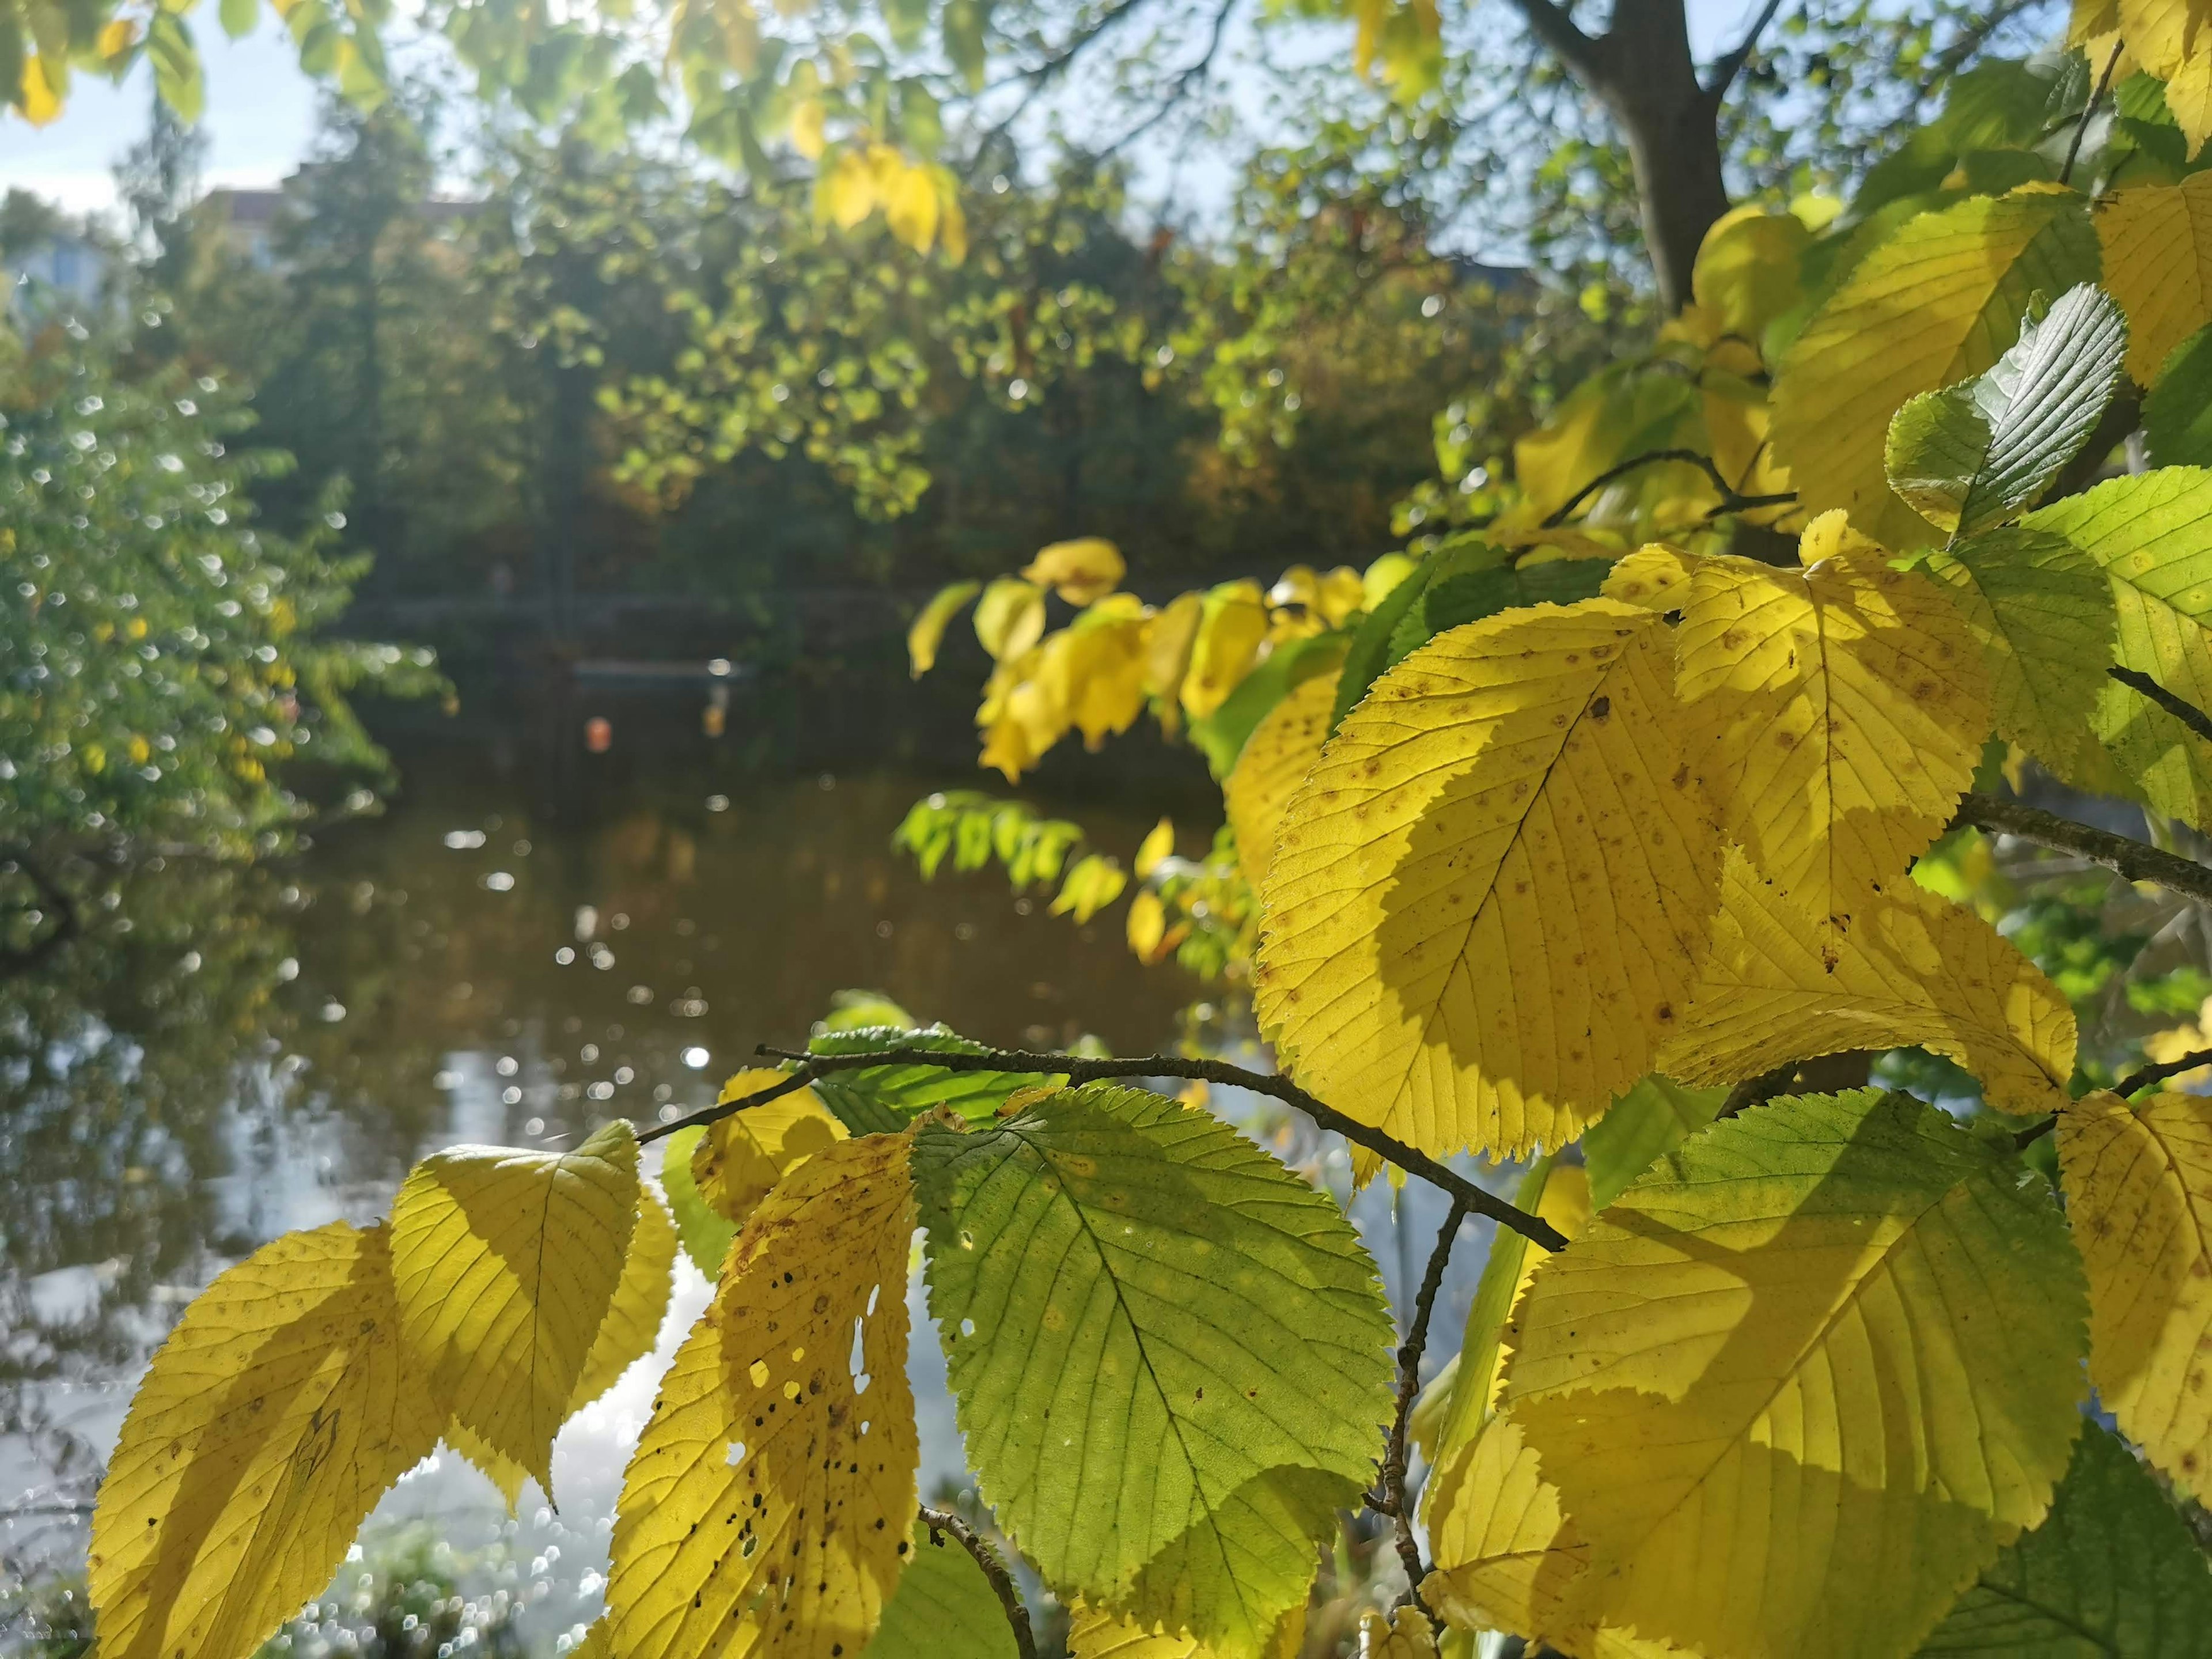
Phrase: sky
(261, 113)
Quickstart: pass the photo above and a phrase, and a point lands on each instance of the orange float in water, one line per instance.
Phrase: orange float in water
(599, 734)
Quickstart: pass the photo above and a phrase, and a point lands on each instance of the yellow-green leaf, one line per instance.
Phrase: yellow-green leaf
(1010, 618)
(632, 1326)
(744, 1155)
(270, 1422)
(1940, 299)
(1158, 847)
(1273, 763)
(705, 1233)
(1836, 713)
(1080, 571)
(2158, 263)
(2138, 1183)
(505, 1263)
(767, 1508)
(1487, 902)
(2149, 534)
(1232, 622)
(1096, 1633)
(1094, 883)
(943, 1607)
(1799, 1384)
(1914, 970)
(927, 632)
(2042, 614)
(1505, 1557)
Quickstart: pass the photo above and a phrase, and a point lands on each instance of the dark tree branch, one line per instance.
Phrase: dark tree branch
(2136, 860)
(1192, 75)
(2082, 126)
(1550, 24)
(1726, 70)
(54, 897)
(1042, 75)
(1010, 1597)
(1731, 501)
(2181, 708)
(1952, 58)
(2137, 1081)
(1389, 1496)
(1079, 1069)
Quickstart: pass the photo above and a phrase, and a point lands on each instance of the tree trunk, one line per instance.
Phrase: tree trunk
(1649, 80)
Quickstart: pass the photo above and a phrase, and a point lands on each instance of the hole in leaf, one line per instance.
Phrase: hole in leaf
(737, 1454)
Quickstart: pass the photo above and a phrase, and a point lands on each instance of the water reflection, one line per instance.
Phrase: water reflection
(524, 947)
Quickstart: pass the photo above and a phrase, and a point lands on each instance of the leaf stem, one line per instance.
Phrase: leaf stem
(2137, 1081)
(1081, 1069)
(2082, 126)
(2136, 860)
(1002, 1581)
(1731, 501)
(1389, 1496)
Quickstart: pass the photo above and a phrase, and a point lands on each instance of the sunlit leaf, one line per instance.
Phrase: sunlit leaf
(927, 632)
(873, 1099)
(1096, 1633)
(744, 1155)
(1836, 713)
(2138, 1183)
(1913, 969)
(705, 1233)
(2158, 263)
(1169, 1354)
(1010, 618)
(1485, 902)
(1231, 624)
(1079, 571)
(271, 1421)
(1802, 1382)
(1094, 883)
(770, 1503)
(1939, 300)
(1655, 1116)
(1274, 761)
(506, 1264)
(943, 1607)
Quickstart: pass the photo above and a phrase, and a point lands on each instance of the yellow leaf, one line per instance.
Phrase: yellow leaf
(1099, 1633)
(806, 123)
(505, 1263)
(1380, 578)
(1010, 618)
(2138, 1183)
(1747, 270)
(927, 632)
(1147, 926)
(40, 90)
(845, 191)
(2173, 40)
(1656, 577)
(1023, 713)
(1158, 847)
(1078, 571)
(1506, 1559)
(1912, 971)
(1232, 622)
(1940, 299)
(1487, 902)
(596, 1643)
(271, 1421)
(119, 35)
(503, 1472)
(743, 1156)
(1094, 883)
(951, 220)
(1405, 1633)
(1801, 1381)
(1272, 764)
(1836, 713)
(1092, 674)
(910, 208)
(768, 1508)
(1167, 655)
(2158, 264)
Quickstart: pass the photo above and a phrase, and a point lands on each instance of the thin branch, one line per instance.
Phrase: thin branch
(2181, 708)
(1191, 75)
(2081, 127)
(2137, 1081)
(1550, 24)
(1952, 57)
(1041, 76)
(1079, 1069)
(2136, 860)
(1389, 1496)
(1731, 501)
(1726, 70)
(2034, 1132)
(55, 897)
(1010, 1597)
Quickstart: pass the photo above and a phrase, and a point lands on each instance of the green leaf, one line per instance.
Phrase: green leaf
(1170, 1355)
(1971, 455)
(1654, 1116)
(882, 1099)
(239, 16)
(2152, 535)
(1221, 735)
(2178, 410)
(1805, 1378)
(1369, 657)
(943, 1607)
(2113, 1571)
(176, 65)
(1456, 597)
(705, 1232)
(2043, 616)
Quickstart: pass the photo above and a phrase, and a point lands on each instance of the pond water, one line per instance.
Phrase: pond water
(532, 939)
